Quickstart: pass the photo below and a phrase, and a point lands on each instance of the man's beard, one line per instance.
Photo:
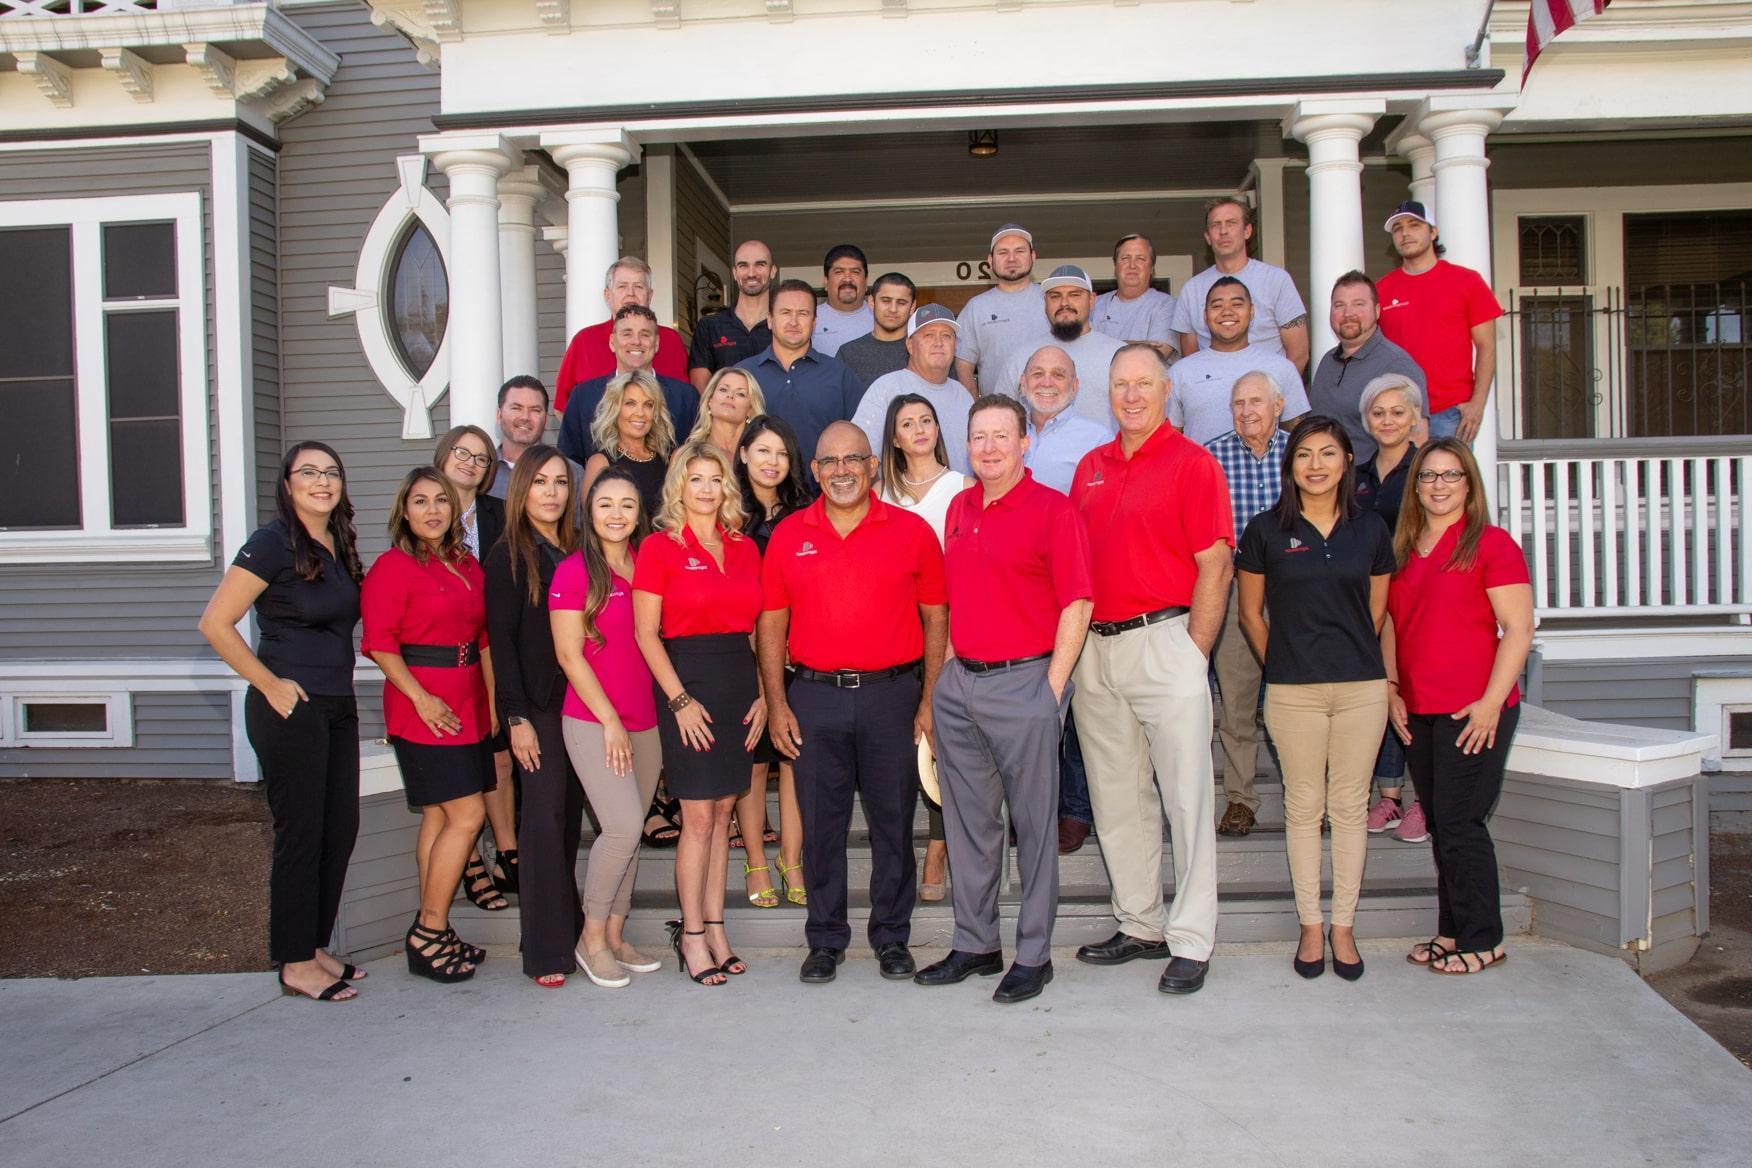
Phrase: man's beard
(1067, 330)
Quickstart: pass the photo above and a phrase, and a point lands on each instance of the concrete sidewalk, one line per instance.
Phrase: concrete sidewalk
(1560, 1058)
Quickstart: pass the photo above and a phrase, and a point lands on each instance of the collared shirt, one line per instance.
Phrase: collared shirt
(1275, 304)
(870, 358)
(589, 356)
(305, 626)
(699, 597)
(1203, 385)
(1317, 591)
(1013, 565)
(815, 392)
(1445, 631)
(1255, 480)
(950, 400)
(721, 340)
(1384, 495)
(1091, 355)
(1337, 387)
(1146, 318)
(679, 398)
(1055, 449)
(834, 328)
(1149, 516)
(854, 601)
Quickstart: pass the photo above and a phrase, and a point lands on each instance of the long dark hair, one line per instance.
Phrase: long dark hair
(1309, 427)
(1411, 512)
(451, 549)
(306, 561)
(596, 568)
(793, 490)
(519, 535)
(893, 462)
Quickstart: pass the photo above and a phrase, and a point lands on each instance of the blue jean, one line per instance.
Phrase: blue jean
(1445, 423)
(1073, 779)
(1390, 761)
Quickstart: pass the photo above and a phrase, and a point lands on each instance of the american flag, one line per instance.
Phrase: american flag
(1547, 18)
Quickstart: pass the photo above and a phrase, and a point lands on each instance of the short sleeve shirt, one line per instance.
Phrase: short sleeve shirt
(1091, 355)
(994, 325)
(1381, 495)
(699, 598)
(617, 662)
(951, 401)
(1275, 304)
(854, 601)
(1148, 516)
(834, 328)
(721, 340)
(870, 358)
(1147, 318)
(811, 395)
(1445, 632)
(1055, 449)
(305, 627)
(1203, 384)
(1431, 316)
(1317, 595)
(1013, 565)
(407, 602)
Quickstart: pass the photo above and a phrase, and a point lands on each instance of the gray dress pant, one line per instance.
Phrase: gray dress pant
(997, 741)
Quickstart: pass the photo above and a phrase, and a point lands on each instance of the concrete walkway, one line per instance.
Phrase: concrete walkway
(1561, 1058)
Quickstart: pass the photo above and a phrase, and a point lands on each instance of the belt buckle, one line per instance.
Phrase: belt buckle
(461, 656)
(849, 679)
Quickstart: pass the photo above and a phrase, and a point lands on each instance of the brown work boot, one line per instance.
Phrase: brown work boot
(1071, 834)
(1237, 820)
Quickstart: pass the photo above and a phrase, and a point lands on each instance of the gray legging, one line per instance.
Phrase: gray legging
(620, 802)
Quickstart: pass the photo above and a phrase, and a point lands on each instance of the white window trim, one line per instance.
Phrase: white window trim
(1713, 698)
(97, 540)
(118, 718)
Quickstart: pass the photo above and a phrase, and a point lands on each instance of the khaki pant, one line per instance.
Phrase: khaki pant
(1145, 701)
(1327, 736)
(1238, 676)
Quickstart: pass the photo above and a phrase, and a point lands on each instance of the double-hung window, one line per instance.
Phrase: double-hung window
(103, 381)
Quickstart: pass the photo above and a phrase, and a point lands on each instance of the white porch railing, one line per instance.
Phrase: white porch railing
(1655, 526)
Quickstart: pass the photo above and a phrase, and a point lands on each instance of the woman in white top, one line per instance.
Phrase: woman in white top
(916, 476)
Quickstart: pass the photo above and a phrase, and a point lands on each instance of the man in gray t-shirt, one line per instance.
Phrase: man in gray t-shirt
(1135, 311)
(930, 342)
(845, 313)
(1069, 298)
(1200, 386)
(1000, 321)
(883, 348)
(1280, 319)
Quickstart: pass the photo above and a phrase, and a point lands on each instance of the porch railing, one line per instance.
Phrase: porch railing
(1655, 526)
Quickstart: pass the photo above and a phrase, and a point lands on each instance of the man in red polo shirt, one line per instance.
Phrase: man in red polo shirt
(629, 282)
(1017, 558)
(855, 600)
(1160, 538)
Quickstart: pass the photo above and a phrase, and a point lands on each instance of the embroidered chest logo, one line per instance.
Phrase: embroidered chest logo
(694, 565)
(808, 549)
(1295, 545)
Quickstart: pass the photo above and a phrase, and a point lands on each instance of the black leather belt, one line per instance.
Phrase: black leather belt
(1113, 628)
(442, 656)
(852, 678)
(973, 666)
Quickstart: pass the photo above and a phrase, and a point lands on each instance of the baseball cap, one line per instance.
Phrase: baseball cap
(1408, 209)
(1012, 229)
(931, 314)
(1068, 274)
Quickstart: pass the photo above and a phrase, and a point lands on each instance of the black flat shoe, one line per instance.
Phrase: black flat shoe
(821, 966)
(337, 991)
(1311, 969)
(895, 961)
(1349, 970)
(1121, 948)
(1022, 982)
(958, 967)
(1183, 976)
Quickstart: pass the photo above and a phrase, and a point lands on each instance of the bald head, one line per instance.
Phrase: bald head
(842, 438)
(1049, 382)
(844, 468)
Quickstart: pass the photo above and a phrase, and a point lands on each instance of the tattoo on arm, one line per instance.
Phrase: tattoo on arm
(1299, 322)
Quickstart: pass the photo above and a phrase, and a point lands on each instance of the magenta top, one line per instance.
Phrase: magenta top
(617, 662)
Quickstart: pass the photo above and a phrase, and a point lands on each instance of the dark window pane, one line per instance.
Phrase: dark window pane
(1740, 730)
(36, 310)
(66, 718)
(141, 364)
(39, 454)
(139, 259)
(1557, 366)
(1552, 249)
(418, 300)
(146, 476)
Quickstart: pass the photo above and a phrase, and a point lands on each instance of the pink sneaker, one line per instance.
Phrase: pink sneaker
(1411, 829)
(1383, 815)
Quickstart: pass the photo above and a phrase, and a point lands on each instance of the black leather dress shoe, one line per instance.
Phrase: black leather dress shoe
(895, 961)
(1121, 948)
(958, 967)
(1183, 976)
(1022, 982)
(822, 965)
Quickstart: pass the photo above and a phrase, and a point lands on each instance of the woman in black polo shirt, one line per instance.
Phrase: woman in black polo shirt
(301, 574)
(1320, 565)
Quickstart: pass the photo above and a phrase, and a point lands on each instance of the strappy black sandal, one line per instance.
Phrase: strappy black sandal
(731, 964)
(667, 833)
(505, 870)
(704, 976)
(331, 994)
(437, 954)
(481, 888)
(474, 953)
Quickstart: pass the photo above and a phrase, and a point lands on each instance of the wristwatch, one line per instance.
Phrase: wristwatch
(680, 702)
(516, 720)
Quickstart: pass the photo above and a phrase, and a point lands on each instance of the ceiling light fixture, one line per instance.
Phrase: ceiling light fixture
(982, 143)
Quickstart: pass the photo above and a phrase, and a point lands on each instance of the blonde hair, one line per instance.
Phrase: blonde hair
(671, 515)
(702, 427)
(605, 426)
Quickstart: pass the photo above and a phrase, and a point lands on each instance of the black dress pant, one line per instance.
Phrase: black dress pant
(1458, 791)
(548, 907)
(857, 740)
(310, 764)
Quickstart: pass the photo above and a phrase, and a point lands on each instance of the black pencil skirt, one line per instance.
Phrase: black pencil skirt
(718, 670)
(437, 774)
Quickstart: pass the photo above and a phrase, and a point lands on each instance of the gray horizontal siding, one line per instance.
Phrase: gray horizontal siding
(264, 261)
(176, 736)
(1649, 692)
(383, 888)
(1559, 842)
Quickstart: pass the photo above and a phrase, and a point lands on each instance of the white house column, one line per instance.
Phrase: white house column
(591, 160)
(1332, 131)
(474, 164)
(518, 193)
(1421, 153)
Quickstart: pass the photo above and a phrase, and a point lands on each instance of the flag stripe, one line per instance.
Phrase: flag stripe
(1547, 18)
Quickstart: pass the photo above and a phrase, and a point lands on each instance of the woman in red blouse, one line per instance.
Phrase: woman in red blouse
(425, 613)
(696, 596)
(1459, 625)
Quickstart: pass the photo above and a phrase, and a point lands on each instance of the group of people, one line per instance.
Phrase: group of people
(922, 555)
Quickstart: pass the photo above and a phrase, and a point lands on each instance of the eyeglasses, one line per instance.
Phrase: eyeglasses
(309, 474)
(1447, 476)
(481, 460)
(849, 462)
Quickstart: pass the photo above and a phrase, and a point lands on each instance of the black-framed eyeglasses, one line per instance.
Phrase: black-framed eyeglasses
(1447, 476)
(309, 474)
(848, 461)
(481, 460)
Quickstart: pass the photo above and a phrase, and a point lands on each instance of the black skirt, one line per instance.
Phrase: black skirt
(718, 670)
(438, 774)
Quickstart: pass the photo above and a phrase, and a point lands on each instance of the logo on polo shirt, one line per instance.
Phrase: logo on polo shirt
(1096, 480)
(723, 342)
(694, 565)
(808, 549)
(1296, 545)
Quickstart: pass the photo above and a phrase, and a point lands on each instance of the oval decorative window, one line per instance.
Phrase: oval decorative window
(418, 299)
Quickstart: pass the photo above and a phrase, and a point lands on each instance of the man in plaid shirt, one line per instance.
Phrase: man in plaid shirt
(1252, 456)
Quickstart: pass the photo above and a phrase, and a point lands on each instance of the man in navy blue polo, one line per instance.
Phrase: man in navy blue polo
(801, 384)
(634, 341)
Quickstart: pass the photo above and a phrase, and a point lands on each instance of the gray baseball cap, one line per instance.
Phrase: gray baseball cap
(931, 314)
(1068, 274)
(1012, 229)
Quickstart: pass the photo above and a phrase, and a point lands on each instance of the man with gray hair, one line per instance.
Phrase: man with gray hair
(1058, 436)
(1069, 300)
(1251, 456)
(1135, 310)
(589, 355)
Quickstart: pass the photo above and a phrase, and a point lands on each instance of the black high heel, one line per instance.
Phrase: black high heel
(676, 933)
(1309, 969)
(505, 870)
(1349, 970)
(741, 965)
(437, 954)
(481, 888)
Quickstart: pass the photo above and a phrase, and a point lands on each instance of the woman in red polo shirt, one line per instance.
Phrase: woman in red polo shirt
(425, 611)
(696, 596)
(1459, 625)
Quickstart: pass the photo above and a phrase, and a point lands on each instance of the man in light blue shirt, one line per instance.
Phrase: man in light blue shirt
(1058, 436)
